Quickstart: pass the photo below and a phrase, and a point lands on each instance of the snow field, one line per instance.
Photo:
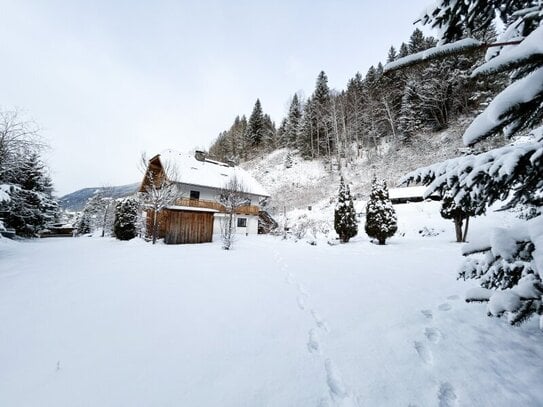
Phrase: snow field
(93, 321)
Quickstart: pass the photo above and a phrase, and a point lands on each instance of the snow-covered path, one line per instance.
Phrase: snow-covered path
(97, 322)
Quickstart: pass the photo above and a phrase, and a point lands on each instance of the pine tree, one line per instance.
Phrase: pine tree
(321, 110)
(83, 224)
(288, 160)
(344, 215)
(255, 131)
(126, 219)
(417, 42)
(380, 215)
(32, 206)
(459, 213)
(293, 122)
(392, 55)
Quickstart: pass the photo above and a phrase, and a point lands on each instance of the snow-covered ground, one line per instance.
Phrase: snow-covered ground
(98, 322)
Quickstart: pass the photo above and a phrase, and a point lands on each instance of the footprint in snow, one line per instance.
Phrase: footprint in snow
(444, 307)
(424, 353)
(301, 302)
(290, 278)
(302, 289)
(321, 323)
(446, 395)
(453, 297)
(427, 313)
(432, 334)
(313, 344)
(335, 383)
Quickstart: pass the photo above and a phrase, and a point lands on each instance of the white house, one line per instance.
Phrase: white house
(198, 212)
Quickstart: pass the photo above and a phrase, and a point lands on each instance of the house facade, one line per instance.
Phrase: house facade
(197, 216)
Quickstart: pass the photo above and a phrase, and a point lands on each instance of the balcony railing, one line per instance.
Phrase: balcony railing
(202, 203)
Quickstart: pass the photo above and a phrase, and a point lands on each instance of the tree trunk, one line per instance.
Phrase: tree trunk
(458, 229)
(382, 241)
(155, 218)
(465, 230)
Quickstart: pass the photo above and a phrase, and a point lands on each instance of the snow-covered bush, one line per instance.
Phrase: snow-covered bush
(344, 215)
(381, 222)
(126, 219)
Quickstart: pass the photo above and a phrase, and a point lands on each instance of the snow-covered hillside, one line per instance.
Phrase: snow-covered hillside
(99, 322)
(307, 191)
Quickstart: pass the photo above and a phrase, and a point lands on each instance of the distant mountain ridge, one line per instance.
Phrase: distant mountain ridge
(76, 200)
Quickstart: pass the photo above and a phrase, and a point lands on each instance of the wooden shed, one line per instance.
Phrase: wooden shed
(184, 224)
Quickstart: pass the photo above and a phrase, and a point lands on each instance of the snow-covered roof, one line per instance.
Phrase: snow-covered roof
(208, 173)
(190, 208)
(407, 192)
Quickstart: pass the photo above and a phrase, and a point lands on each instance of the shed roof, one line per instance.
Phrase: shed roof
(190, 209)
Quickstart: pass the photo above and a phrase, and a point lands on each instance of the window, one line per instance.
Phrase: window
(242, 222)
(195, 195)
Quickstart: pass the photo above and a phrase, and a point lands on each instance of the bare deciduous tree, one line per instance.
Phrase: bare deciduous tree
(18, 138)
(160, 190)
(232, 196)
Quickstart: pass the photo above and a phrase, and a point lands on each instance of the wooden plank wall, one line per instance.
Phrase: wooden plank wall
(187, 227)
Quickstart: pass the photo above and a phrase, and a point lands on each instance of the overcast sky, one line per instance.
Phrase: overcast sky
(106, 80)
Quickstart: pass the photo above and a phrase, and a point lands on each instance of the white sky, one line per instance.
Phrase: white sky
(106, 80)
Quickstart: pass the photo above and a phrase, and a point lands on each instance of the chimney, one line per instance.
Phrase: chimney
(200, 155)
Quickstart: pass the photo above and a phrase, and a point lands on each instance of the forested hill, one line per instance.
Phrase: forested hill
(76, 200)
(352, 123)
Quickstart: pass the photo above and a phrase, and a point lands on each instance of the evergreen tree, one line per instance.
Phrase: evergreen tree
(31, 206)
(293, 122)
(459, 213)
(344, 215)
(321, 109)
(404, 50)
(256, 130)
(392, 55)
(288, 160)
(83, 224)
(417, 42)
(126, 219)
(380, 215)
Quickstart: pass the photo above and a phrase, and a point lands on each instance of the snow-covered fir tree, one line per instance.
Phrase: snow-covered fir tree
(381, 222)
(83, 223)
(31, 206)
(255, 132)
(344, 215)
(506, 262)
(293, 122)
(127, 212)
(288, 160)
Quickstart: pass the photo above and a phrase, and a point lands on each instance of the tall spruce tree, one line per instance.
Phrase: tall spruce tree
(256, 130)
(381, 220)
(344, 215)
(293, 122)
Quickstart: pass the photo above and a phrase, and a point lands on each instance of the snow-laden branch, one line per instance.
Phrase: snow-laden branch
(530, 50)
(458, 47)
(506, 108)
(514, 170)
